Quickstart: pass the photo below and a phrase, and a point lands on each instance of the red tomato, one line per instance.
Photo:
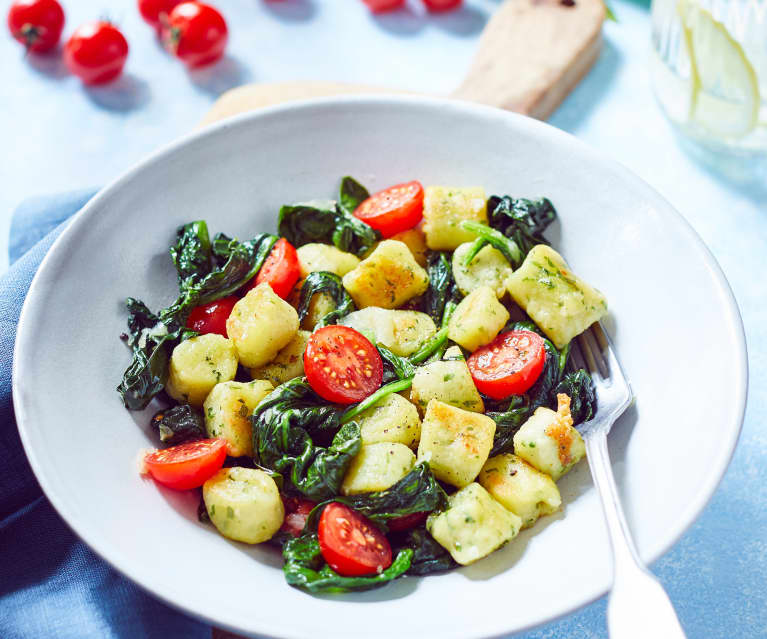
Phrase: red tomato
(441, 5)
(398, 208)
(155, 11)
(211, 318)
(351, 545)
(96, 52)
(297, 509)
(406, 522)
(37, 24)
(195, 33)
(509, 365)
(280, 269)
(187, 465)
(341, 365)
(379, 6)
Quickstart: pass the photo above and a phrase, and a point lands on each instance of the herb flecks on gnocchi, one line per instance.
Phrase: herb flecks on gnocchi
(455, 442)
(388, 278)
(557, 300)
(197, 365)
(261, 325)
(547, 440)
(473, 525)
(407, 409)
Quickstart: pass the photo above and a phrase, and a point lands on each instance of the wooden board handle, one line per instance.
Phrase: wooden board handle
(532, 53)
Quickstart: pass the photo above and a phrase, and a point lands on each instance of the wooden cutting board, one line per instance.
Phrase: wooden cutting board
(531, 54)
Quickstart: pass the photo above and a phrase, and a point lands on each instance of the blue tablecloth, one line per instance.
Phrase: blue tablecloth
(51, 583)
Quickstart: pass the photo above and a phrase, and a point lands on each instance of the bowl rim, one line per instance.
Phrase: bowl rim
(683, 522)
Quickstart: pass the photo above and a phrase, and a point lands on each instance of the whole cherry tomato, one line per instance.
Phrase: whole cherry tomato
(195, 33)
(37, 24)
(96, 52)
(155, 11)
(379, 6)
(441, 5)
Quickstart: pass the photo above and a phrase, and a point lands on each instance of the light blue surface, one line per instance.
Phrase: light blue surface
(58, 136)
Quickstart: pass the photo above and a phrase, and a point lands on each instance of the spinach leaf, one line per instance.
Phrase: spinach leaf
(151, 342)
(442, 288)
(179, 424)
(243, 261)
(521, 220)
(325, 221)
(352, 194)
(305, 568)
(583, 399)
(191, 254)
(290, 427)
(395, 367)
(508, 422)
(416, 492)
(330, 283)
(428, 556)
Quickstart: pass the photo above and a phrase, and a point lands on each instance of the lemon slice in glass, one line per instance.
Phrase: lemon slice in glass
(725, 97)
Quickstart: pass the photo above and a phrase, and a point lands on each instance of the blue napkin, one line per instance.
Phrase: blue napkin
(51, 583)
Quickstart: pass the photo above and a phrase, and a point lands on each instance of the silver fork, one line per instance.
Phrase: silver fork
(638, 606)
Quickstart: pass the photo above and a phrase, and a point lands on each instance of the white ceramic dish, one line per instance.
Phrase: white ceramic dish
(675, 323)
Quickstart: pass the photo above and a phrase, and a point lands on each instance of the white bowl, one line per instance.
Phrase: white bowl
(672, 316)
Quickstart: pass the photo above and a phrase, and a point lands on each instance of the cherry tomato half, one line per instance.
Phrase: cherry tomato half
(155, 11)
(280, 269)
(187, 465)
(211, 318)
(406, 522)
(342, 365)
(441, 5)
(350, 544)
(379, 6)
(297, 510)
(509, 365)
(398, 208)
(37, 24)
(195, 33)
(96, 52)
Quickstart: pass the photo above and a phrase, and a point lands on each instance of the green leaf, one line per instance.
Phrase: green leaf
(179, 424)
(325, 221)
(429, 557)
(352, 194)
(191, 254)
(305, 568)
(330, 283)
(299, 435)
(521, 220)
(579, 386)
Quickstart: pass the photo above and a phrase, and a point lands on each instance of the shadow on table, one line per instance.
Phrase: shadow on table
(226, 74)
(291, 10)
(590, 91)
(465, 21)
(49, 64)
(127, 93)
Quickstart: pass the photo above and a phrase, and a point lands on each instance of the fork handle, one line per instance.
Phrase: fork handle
(639, 607)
